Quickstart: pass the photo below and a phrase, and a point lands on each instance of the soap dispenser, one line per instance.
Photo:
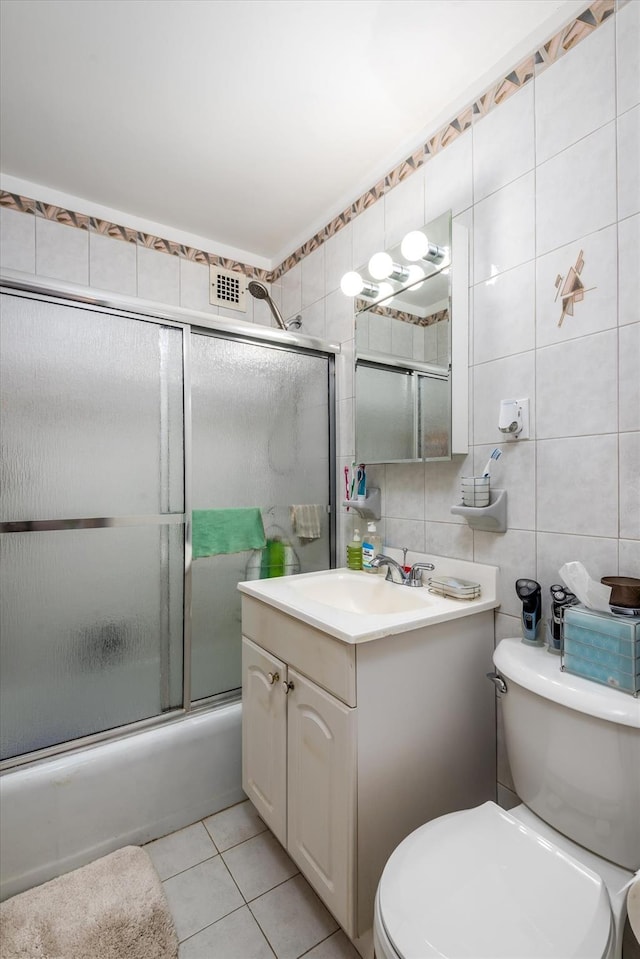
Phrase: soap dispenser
(371, 546)
(354, 551)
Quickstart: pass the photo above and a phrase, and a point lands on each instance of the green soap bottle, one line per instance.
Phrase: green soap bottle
(354, 551)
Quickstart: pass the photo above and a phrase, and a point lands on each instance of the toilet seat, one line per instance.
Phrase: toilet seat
(479, 883)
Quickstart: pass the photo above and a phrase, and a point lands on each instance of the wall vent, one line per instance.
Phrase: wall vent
(228, 288)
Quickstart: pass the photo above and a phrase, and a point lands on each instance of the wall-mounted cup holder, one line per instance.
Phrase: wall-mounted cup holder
(491, 518)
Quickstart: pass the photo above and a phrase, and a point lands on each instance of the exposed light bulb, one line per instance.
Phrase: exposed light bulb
(416, 276)
(380, 266)
(351, 283)
(417, 246)
(414, 246)
(384, 290)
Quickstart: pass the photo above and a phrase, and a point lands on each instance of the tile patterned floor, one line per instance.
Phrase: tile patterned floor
(234, 893)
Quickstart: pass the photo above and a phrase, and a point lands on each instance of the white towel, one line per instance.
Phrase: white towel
(306, 521)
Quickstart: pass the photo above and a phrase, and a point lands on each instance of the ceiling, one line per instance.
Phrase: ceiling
(242, 126)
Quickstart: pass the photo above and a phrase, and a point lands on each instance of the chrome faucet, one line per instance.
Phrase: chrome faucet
(412, 578)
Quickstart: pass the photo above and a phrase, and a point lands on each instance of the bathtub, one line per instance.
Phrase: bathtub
(61, 813)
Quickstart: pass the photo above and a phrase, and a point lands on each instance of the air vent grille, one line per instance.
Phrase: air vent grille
(228, 289)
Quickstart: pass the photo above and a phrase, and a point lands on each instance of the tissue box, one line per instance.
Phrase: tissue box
(602, 647)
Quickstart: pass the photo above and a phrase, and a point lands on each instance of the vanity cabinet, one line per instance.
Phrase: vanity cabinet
(298, 747)
(348, 747)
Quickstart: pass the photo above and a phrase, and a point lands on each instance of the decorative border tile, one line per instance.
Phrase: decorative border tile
(380, 310)
(582, 26)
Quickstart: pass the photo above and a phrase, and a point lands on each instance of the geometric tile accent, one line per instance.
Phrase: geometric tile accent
(564, 40)
(570, 288)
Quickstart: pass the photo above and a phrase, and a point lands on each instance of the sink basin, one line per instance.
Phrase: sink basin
(355, 593)
(357, 607)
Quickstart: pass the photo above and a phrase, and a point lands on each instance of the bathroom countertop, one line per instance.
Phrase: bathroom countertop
(354, 625)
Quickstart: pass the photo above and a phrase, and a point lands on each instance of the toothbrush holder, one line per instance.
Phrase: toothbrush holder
(475, 491)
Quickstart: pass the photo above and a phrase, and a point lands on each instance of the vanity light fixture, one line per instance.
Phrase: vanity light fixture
(417, 246)
(416, 277)
(352, 284)
(382, 267)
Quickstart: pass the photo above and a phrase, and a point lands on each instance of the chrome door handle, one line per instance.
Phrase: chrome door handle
(287, 686)
(273, 678)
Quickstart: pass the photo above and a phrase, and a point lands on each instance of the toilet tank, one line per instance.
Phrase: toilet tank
(574, 751)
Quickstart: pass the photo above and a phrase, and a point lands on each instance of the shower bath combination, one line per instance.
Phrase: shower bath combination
(260, 292)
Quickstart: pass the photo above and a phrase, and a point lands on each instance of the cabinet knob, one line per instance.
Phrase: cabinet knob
(273, 678)
(287, 686)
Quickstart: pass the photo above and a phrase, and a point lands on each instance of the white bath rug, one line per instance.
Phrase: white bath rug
(114, 908)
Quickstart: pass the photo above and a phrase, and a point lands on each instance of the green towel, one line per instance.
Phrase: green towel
(226, 531)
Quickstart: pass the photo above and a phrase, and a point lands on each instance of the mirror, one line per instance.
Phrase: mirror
(411, 315)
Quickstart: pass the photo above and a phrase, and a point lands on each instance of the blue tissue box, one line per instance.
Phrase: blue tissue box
(602, 647)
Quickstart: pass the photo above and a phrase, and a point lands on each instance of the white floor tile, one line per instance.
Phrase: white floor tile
(200, 896)
(181, 850)
(234, 825)
(236, 936)
(336, 946)
(292, 918)
(258, 865)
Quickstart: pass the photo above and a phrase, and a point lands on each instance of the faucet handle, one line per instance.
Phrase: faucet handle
(415, 573)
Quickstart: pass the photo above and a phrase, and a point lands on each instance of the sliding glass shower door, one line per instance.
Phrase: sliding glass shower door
(92, 507)
(260, 421)
(113, 428)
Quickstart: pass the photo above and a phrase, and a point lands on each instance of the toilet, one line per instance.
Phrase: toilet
(548, 879)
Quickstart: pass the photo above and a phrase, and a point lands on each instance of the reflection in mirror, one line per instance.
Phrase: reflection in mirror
(404, 370)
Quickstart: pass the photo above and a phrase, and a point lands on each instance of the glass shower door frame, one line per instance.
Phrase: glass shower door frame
(188, 322)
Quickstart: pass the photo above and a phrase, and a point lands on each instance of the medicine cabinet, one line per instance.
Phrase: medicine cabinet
(411, 365)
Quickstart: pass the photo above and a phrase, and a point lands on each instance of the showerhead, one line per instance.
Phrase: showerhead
(260, 292)
(257, 290)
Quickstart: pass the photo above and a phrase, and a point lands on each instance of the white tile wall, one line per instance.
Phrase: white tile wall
(62, 252)
(628, 272)
(576, 190)
(17, 241)
(112, 264)
(629, 383)
(504, 228)
(403, 209)
(312, 278)
(504, 314)
(577, 95)
(504, 144)
(629, 163)
(628, 61)
(448, 179)
(158, 276)
(368, 233)
(576, 387)
(194, 288)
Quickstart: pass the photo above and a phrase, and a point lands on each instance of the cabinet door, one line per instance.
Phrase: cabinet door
(264, 736)
(321, 793)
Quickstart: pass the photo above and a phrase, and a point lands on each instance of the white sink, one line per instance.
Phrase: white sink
(354, 593)
(357, 606)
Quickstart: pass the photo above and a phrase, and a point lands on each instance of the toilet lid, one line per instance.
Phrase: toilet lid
(479, 884)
